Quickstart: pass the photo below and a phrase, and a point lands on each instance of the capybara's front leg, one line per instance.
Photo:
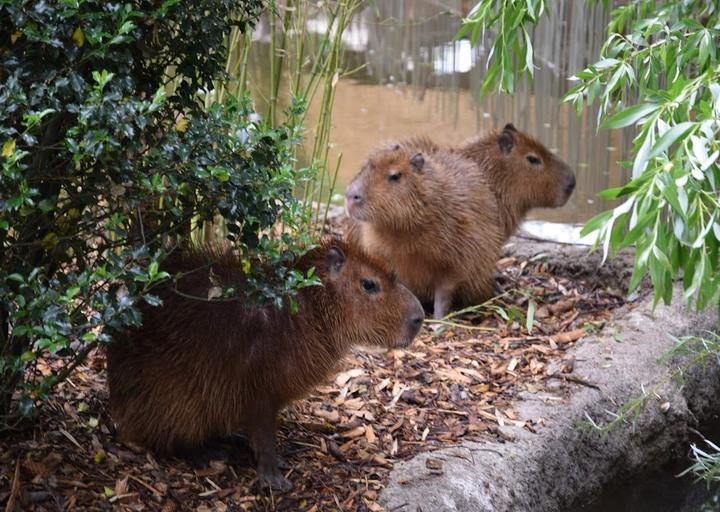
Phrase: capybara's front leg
(261, 433)
(443, 297)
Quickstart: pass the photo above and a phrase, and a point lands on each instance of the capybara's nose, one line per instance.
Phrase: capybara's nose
(416, 323)
(571, 185)
(353, 198)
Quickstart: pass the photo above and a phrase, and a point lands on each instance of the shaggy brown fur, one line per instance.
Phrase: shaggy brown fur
(200, 369)
(440, 216)
(429, 214)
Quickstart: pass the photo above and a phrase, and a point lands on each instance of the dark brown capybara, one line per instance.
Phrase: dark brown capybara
(440, 216)
(200, 369)
(522, 173)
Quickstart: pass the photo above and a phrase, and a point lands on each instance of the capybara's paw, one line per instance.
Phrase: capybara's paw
(282, 463)
(275, 482)
(497, 289)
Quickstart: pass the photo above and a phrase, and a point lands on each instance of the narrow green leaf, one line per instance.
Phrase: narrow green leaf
(630, 115)
(639, 228)
(662, 258)
(490, 77)
(641, 158)
(670, 193)
(597, 222)
(611, 193)
(603, 64)
(464, 29)
(528, 53)
(670, 136)
(530, 318)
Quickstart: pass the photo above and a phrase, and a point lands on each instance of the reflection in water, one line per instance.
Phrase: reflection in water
(415, 80)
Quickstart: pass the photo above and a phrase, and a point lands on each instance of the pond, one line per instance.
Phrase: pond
(412, 79)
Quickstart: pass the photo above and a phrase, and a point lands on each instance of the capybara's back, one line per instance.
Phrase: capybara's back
(198, 369)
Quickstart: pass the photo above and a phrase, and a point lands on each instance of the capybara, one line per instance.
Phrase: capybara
(440, 216)
(200, 369)
(522, 173)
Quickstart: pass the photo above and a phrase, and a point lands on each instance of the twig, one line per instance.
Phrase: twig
(450, 411)
(337, 502)
(576, 380)
(70, 438)
(486, 450)
(144, 484)
(14, 489)
(460, 326)
(477, 307)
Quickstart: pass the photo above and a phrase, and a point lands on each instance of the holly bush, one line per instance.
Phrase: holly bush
(110, 159)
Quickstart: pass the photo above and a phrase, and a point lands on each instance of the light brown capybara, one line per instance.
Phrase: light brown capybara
(440, 216)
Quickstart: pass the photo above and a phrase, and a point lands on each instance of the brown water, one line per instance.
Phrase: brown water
(417, 81)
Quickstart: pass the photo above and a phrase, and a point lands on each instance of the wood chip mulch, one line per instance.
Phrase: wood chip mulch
(340, 443)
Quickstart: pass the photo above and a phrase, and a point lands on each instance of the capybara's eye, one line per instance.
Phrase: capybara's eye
(534, 160)
(395, 176)
(369, 285)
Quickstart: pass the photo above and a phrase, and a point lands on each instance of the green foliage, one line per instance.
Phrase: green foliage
(706, 463)
(701, 351)
(512, 51)
(659, 71)
(663, 76)
(104, 169)
(304, 68)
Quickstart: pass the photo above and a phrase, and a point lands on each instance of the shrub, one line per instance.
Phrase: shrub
(110, 160)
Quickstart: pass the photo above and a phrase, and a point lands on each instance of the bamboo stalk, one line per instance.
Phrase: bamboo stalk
(243, 64)
(332, 190)
(289, 50)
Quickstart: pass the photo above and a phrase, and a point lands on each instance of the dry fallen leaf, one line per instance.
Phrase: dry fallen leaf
(566, 337)
(356, 432)
(431, 463)
(121, 486)
(344, 377)
(370, 434)
(329, 416)
(216, 467)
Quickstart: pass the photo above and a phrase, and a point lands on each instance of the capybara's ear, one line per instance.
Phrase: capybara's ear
(506, 141)
(393, 277)
(510, 128)
(417, 161)
(335, 259)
